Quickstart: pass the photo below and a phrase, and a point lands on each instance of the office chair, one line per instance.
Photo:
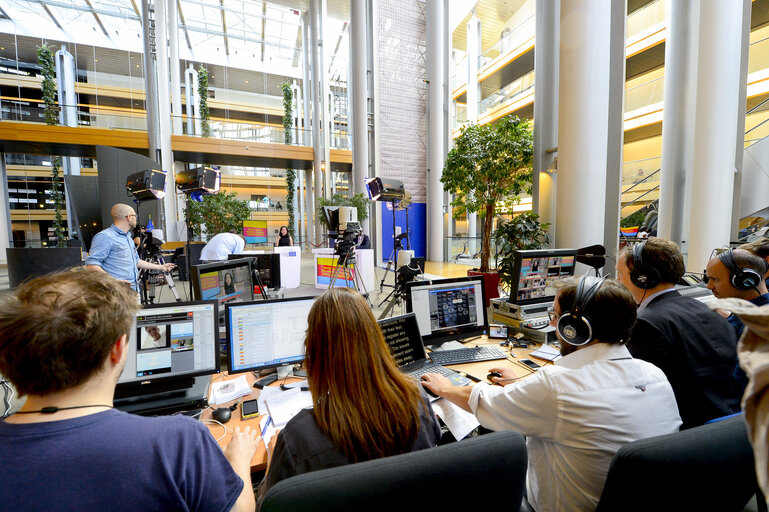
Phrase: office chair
(704, 468)
(488, 469)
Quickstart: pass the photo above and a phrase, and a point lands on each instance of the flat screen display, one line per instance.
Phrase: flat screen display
(172, 340)
(447, 309)
(225, 282)
(267, 333)
(538, 272)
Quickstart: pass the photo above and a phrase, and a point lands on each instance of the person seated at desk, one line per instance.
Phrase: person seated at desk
(759, 247)
(284, 239)
(693, 345)
(365, 408)
(63, 343)
(363, 242)
(577, 413)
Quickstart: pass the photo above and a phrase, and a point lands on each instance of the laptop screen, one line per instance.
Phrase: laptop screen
(402, 336)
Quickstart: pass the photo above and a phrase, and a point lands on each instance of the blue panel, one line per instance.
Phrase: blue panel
(417, 226)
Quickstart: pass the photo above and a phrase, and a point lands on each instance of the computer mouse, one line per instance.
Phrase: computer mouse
(493, 374)
(222, 414)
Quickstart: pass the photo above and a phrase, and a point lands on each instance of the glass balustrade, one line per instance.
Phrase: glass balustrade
(645, 17)
(645, 94)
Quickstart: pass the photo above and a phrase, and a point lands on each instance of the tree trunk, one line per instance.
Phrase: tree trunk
(488, 222)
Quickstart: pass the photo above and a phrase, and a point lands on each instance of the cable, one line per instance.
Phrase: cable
(226, 428)
(7, 390)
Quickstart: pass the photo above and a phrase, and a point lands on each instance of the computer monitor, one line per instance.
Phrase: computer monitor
(168, 345)
(225, 281)
(267, 333)
(448, 309)
(536, 273)
(268, 266)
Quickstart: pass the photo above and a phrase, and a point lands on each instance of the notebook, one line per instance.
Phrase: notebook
(402, 336)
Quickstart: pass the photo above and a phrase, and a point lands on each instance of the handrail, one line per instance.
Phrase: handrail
(758, 125)
(755, 107)
(638, 199)
(639, 182)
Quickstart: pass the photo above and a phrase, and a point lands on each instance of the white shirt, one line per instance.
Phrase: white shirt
(221, 245)
(576, 415)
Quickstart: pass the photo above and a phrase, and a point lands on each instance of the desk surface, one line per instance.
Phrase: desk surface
(259, 462)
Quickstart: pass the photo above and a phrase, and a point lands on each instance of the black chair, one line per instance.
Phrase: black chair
(488, 469)
(703, 468)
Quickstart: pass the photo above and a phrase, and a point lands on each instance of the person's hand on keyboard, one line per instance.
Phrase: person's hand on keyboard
(507, 375)
(438, 384)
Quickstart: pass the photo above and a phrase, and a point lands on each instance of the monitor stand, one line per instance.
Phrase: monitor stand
(168, 402)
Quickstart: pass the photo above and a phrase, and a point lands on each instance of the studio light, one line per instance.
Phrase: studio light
(145, 185)
(385, 189)
(200, 179)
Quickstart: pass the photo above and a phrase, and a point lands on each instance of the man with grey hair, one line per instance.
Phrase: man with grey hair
(113, 250)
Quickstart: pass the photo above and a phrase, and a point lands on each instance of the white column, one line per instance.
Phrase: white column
(65, 84)
(473, 97)
(192, 100)
(306, 82)
(716, 123)
(358, 112)
(326, 103)
(173, 46)
(437, 56)
(583, 110)
(5, 212)
(164, 125)
(678, 120)
(317, 112)
(309, 207)
(546, 110)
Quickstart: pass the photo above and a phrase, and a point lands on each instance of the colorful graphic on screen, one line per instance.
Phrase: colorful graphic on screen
(226, 285)
(539, 275)
(327, 267)
(255, 231)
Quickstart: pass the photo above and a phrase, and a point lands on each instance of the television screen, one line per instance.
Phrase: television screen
(226, 281)
(537, 272)
(447, 309)
(266, 333)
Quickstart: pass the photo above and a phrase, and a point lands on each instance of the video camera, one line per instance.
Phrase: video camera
(345, 218)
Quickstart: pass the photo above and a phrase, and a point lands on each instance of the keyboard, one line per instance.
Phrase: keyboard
(467, 355)
(431, 368)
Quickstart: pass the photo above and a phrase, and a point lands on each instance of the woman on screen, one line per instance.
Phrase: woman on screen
(229, 286)
(284, 239)
(365, 408)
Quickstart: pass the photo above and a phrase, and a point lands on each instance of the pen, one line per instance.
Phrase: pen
(267, 424)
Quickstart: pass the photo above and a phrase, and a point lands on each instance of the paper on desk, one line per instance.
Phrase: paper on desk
(264, 394)
(459, 421)
(285, 405)
(229, 390)
(546, 352)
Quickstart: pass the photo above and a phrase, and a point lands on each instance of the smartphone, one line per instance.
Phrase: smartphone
(531, 364)
(249, 409)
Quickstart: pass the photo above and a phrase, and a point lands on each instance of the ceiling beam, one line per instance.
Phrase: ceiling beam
(184, 23)
(224, 30)
(96, 17)
(50, 15)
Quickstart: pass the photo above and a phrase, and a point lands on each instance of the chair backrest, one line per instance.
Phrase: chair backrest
(488, 469)
(702, 468)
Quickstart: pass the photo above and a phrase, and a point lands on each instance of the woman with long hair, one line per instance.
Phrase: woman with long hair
(364, 407)
(284, 239)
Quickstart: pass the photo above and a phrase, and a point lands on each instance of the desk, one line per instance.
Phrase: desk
(259, 462)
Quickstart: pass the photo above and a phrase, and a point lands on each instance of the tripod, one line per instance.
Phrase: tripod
(149, 279)
(403, 275)
(348, 267)
(397, 245)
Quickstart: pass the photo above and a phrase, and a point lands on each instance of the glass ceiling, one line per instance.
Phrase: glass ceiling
(247, 34)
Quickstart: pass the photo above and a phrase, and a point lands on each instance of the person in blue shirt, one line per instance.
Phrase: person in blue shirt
(113, 250)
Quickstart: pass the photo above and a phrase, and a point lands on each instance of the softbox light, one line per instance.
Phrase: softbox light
(145, 185)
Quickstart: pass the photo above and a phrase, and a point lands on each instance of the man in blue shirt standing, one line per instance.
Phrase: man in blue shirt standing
(113, 250)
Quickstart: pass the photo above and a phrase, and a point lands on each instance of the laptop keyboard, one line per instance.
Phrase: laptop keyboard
(432, 368)
(467, 355)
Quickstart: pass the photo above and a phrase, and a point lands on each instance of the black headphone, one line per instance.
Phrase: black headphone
(573, 326)
(642, 277)
(741, 278)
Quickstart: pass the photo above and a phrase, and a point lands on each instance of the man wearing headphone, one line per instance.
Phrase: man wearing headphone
(740, 274)
(693, 345)
(578, 412)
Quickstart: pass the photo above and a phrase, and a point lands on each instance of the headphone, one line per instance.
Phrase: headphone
(741, 278)
(573, 326)
(644, 278)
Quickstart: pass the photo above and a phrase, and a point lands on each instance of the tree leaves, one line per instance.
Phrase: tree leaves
(220, 213)
(358, 201)
(205, 125)
(288, 123)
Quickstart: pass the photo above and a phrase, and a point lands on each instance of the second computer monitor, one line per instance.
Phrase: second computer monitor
(448, 309)
(225, 281)
(538, 271)
(266, 333)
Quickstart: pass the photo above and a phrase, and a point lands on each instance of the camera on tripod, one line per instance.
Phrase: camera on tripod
(345, 218)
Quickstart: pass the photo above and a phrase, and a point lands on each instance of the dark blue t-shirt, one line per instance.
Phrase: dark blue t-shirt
(114, 461)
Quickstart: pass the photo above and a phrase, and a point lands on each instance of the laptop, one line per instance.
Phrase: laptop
(402, 336)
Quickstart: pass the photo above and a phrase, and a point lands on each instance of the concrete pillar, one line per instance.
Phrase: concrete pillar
(586, 109)
(173, 47)
(192, 100)
(546, 110)
(150, 82)
(65, 83)
(317, 110)
(716, 122)
(437, 124)
(309, 207)
(678, 120)
(164, 125)
(742, 100)
(6, 232)
(473, 97)
(306, 81)
(358, 112)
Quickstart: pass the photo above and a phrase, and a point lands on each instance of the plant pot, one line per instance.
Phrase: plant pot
(26, 262)
(490, 283)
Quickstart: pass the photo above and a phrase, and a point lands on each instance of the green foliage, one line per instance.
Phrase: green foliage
(522, 232)
(288, 122)
(634, 219)
(51, 115)
(358, 201)
(489, 163)
(205, 116)
(220, 213)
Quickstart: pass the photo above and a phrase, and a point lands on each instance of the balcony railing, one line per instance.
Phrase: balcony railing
(506, 94)
(757, 55)
(645, 94)
(509, 41)
(645, 17)
(639, 171)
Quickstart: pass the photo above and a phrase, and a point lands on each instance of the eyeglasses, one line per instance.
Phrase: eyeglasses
(129, 216)
(552, 314)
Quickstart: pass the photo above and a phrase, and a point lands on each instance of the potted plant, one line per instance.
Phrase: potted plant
(489, 163)
(220, 212)
(523, 231)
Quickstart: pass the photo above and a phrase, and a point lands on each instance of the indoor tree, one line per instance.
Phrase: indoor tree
(489, 163)
(220, 212)
(358, 201)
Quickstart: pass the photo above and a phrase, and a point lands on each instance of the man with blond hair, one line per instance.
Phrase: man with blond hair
(113, 250)
(63, 344)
